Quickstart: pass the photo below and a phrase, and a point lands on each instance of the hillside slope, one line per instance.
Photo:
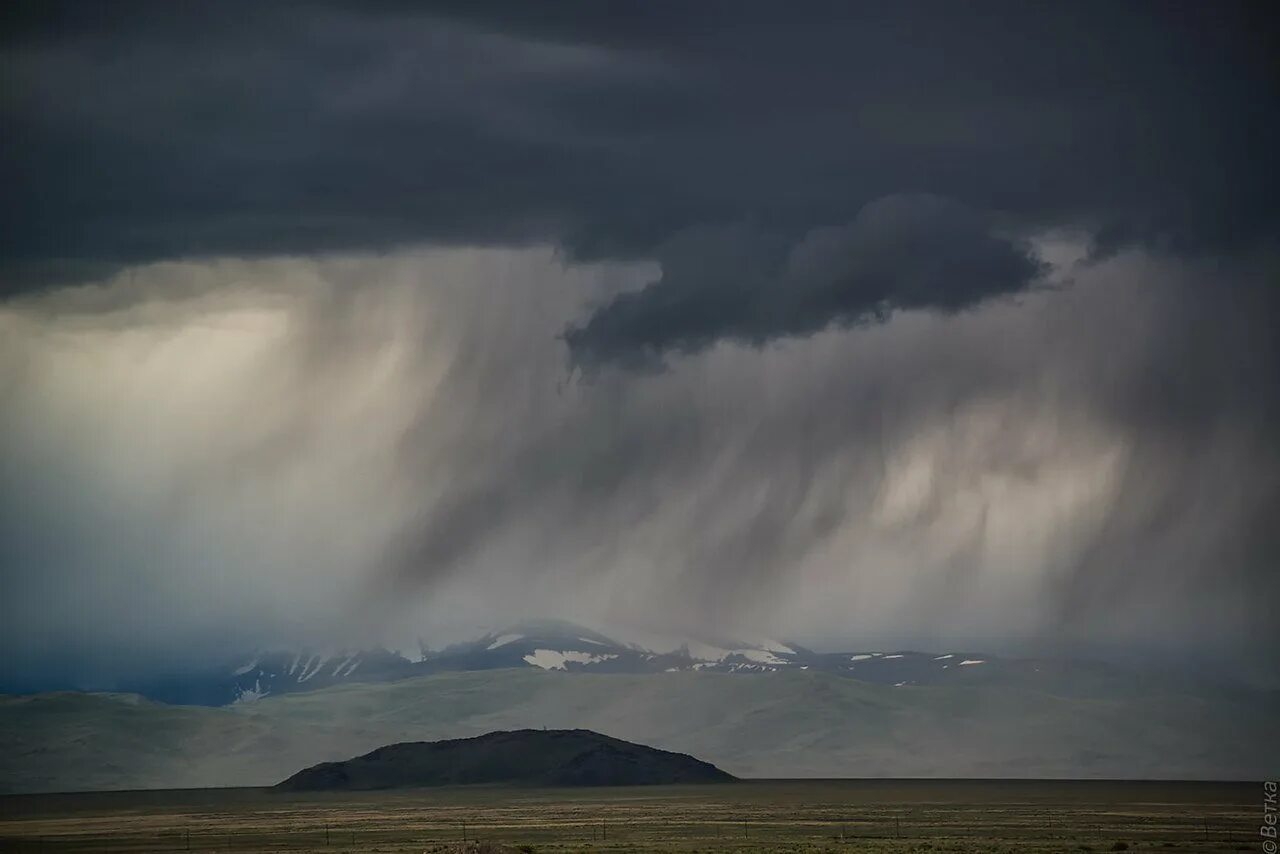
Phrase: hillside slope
(784, 724)
(559, 757)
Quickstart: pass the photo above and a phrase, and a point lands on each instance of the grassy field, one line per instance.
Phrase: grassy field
(782, 816)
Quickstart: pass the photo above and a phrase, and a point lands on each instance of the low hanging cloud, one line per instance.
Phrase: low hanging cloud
(900, 252)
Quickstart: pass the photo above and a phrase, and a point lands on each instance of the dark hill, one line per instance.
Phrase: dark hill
(573, 757)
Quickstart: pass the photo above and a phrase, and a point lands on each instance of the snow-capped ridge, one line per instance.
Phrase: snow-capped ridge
(554, 645)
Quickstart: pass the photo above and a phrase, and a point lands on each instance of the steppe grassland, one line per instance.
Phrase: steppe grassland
(791, 816)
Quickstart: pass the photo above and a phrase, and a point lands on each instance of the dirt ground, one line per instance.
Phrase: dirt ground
(782, 816)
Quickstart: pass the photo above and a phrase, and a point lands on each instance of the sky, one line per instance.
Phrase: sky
(921, 324)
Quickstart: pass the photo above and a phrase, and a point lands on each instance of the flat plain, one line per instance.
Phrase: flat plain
(758, 815)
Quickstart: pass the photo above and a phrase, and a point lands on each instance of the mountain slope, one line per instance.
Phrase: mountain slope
(278, 672)
(783, 724)
(576, 757)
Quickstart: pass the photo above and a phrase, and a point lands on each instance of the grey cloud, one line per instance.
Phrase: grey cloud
(899, 252)
(152, 131)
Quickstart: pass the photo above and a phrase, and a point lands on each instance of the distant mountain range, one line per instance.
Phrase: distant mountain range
(755, 708)
(557, 645)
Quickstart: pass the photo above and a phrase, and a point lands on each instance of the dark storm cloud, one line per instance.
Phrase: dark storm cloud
(143, 131)
(900, 252)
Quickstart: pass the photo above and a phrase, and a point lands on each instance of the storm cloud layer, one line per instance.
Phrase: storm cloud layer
(150, 130)
(900, 252)
(926, 324)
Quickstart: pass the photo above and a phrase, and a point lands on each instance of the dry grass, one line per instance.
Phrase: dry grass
(781, 816)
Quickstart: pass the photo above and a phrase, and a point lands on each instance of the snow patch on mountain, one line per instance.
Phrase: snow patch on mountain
(705, 651)
(769, 645)
(250, 695)
(313, 667)
(554, 659)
